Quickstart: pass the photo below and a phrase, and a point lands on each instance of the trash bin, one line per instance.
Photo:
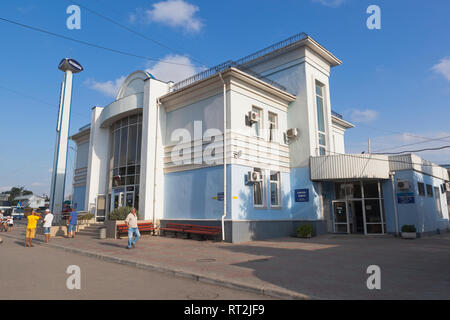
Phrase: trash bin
(102, 234)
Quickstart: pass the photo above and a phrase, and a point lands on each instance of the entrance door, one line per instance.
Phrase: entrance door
(118, 199)
(340, 218)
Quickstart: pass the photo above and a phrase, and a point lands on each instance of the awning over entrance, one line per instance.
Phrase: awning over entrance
(349, 166)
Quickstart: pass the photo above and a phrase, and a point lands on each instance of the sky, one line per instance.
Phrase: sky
(393, 84)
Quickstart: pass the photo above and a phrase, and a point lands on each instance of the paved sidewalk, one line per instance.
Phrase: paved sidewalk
(326, 267)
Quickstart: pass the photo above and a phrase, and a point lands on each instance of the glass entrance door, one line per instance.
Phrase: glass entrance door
(340, 217)
(118, 198)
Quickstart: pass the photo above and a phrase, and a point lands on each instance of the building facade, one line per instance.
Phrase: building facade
(265, 123)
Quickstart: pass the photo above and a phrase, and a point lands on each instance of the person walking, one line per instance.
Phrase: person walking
(31, 227)
(133, 229)
(11, 223)
(73, 219)
(48, 219)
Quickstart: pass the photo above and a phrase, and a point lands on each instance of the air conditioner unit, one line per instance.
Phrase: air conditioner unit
(254, 176)
(252, 117)
(404, 184)
(292, 133)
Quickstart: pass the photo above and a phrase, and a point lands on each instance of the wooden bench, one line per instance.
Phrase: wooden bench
(192, 229)
(142, 227)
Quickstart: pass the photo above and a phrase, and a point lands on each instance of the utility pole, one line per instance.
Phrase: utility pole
(69, 67)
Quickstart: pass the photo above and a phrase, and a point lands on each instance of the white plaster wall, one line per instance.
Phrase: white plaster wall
(241, 104)
(98, 160)
(153, 89)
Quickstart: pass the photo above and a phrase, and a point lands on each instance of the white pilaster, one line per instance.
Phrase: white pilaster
(151, 200)
(97, 173)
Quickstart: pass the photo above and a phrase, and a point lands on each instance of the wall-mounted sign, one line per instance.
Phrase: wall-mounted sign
(301, 195)
(219, 196)
(405, 197)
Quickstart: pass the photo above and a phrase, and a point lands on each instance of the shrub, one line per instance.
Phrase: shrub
(305, 230)
(120, 213)
(87, 216)
(408, 228)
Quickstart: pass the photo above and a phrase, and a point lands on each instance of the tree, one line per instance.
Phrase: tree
(17, 192)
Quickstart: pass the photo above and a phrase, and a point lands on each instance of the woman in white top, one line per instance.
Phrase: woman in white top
(48, 219)
(11, 223)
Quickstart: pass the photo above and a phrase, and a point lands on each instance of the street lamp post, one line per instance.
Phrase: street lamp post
(69, 67)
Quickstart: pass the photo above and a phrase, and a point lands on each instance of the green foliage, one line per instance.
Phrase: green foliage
(87, 216)
(120, 213)
(17, 192)
(408, 228)
(305, 230)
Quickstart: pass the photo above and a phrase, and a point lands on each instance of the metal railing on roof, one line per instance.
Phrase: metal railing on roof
(337, 115)
(239, 64)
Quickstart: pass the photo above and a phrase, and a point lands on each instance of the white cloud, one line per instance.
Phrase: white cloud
(367, 115)
(174, 13)
(173, 72)
(39, 184)
(109, 88)
(443, 68)
(330, 3)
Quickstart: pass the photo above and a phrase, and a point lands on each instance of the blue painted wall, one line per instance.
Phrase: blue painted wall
(423, 213)
(189, 194)
(79, 194)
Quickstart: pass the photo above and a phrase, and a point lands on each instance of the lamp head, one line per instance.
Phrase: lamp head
(70, 64)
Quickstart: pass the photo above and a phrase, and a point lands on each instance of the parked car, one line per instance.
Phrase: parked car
(18, 213)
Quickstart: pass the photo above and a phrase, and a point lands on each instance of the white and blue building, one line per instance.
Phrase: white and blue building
(160, 148)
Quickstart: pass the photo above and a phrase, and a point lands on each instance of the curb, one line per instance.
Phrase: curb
(270, 292)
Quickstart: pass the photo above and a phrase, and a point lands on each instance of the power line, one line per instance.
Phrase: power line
(91, 44)
(132, 31)
(38, 100)
(413, 151)
(406, 134)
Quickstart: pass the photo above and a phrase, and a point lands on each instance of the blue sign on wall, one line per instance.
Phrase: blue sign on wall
(405, 197)
(301, 195)
(219, 196)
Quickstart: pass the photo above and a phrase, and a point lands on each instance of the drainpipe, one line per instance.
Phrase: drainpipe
(224, 156)
(158, 105)
(391, 174)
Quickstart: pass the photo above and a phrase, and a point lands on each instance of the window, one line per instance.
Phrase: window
(275, 189)
(273, 126)
(320, 118)
(257, 125)
(258, 190)
(437, 196)
(429, 190)
(421, 188)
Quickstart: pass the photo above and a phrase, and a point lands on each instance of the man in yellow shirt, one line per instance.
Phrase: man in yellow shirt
(31, 227)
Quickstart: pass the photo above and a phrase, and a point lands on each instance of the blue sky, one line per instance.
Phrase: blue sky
(394, 83)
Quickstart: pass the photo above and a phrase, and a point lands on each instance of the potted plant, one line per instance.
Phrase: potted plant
(305, 231)
(409, 231)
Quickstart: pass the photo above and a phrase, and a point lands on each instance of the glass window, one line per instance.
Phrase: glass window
(275, 189)
(437, 196)
(123, 146)
(353, 190)
(257, 125)
(132, 137)
(273, 126)
(320, 118)
(258, 190)
(116, 148)
(421, 188)
(371, 189)
(373, 210)
(429, 190)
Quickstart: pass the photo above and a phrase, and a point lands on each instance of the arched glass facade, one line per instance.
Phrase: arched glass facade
(125, 162)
